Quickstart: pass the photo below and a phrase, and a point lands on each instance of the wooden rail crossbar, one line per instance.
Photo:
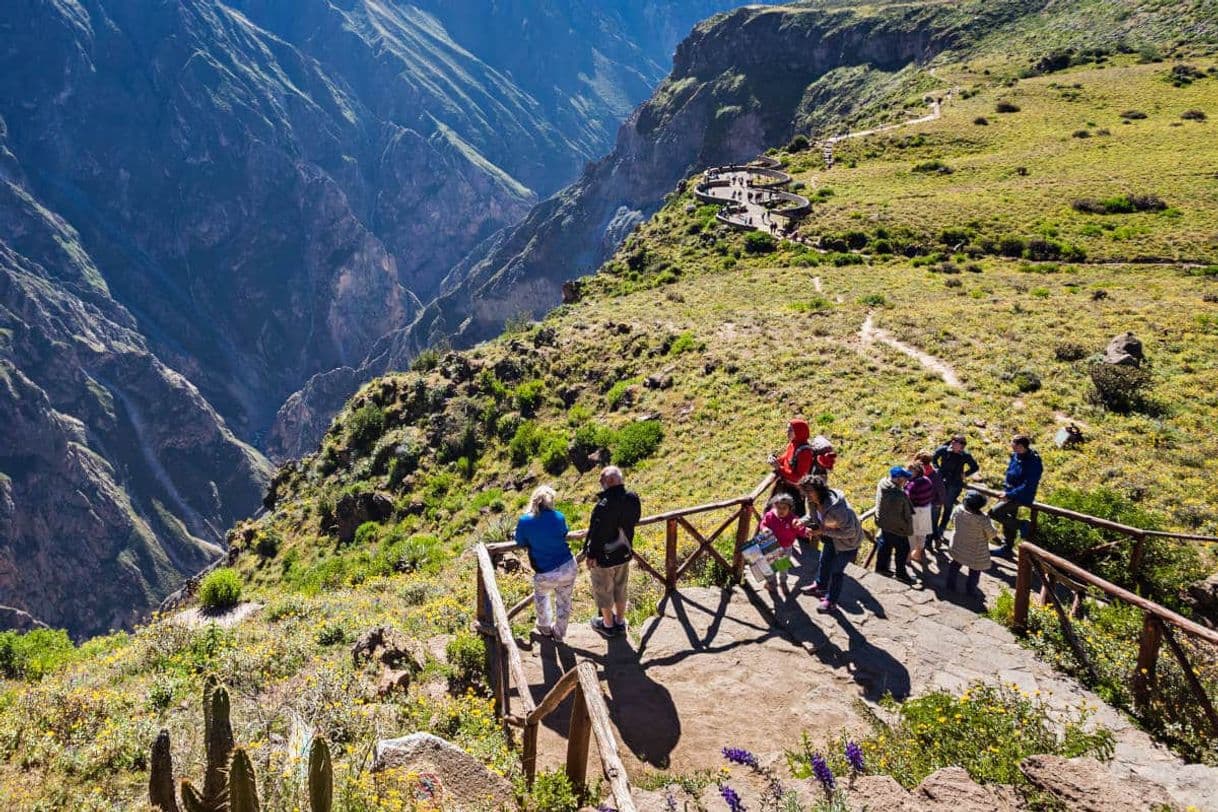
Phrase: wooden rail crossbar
(1158, 623)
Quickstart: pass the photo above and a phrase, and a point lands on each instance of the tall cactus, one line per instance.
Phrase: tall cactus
(192, 801)
(219, 745)
(160, 780)
(242, 790)
(321, 777)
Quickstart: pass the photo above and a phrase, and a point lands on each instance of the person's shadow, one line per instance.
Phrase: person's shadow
(640, 708)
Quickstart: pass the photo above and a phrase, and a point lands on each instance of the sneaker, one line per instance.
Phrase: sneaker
(814, 590)
(600, 628)
(825, 607)
(906, 578)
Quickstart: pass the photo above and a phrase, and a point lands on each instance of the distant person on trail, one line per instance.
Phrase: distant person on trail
(1023, 478)
(970, 545)
(923, 459)
(804, 455)
(955, 465)
(608, 547)
(894, 518)
(832, 519)
(542, 531)
(921, 493)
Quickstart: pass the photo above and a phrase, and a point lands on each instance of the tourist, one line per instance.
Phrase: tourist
(921, 492)
(970, 545)
(795, 463)
(1023, 477)
(608, 547)
(954, 465)
(831, 518)
(542, 531)
(781, 519)
(894, 518)
(923, 458)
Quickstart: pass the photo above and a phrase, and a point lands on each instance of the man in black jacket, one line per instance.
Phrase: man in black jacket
(954, 465)
(608, 547)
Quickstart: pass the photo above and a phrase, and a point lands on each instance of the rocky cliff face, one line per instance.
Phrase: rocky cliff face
(740, 83)
(205, 202)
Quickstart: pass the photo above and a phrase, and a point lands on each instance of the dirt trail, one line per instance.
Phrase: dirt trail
(869, 334)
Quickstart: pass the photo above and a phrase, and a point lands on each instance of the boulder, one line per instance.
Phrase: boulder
(1068, 436)
(951, 789)
(399, 658)
(571, 291)
(873, 792)
(658, 381)
(1202, 596)
(456, 780)
(1086, 785)
(1124, 350)
(353, 509)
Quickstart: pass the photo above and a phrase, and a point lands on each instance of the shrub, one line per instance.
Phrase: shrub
(1119, 204)
(981, 121)
(1068, 351)
(817, 304)
(933, 166)
(426, 361)
(552, 791)
(637, 441)
(331, 634)
(873, 300)
(683, 343)
(1011, 246)
(799, 143)
(1081, 134)
(267, 543)
(1118, 388)
(987, 730)
(34, 654)
(758, 242)
(1193, 115)
(220, 590)
(1133, 115)
(529, 396)
(466, 655)
(554, 454)
(365, 426)
(617, 393)
(1025, 380)
(1006, 107)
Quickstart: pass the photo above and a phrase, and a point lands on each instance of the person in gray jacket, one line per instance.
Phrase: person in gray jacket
(894, 517)
(830, 518)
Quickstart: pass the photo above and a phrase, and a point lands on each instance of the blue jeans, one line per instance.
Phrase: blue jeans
(832, 568)
(949, 501)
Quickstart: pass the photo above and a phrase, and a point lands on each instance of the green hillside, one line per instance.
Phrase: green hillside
(982, 245)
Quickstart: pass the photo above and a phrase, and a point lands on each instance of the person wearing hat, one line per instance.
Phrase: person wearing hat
(970, 545)
(894, 518)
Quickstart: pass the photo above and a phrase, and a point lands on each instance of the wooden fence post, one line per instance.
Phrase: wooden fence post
(1148, 655)
(1023, 592)
(742, 536)
(670, 555)
(528, 758)
(578, 734)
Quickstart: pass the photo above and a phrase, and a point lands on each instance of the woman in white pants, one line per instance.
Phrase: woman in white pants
(542, 531)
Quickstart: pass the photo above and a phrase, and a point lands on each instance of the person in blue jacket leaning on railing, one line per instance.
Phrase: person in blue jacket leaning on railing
(1023, 477)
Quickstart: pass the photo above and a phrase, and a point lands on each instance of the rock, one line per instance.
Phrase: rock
(393, 680)
(353, 509)
(663, 381)
(1069, 436)
(950, 789)
(1124, 350)
(390, 647)
(572, 290)
(645, 800)
(1086, 785)
(461, 781)
(869, 792)
(1202, 596)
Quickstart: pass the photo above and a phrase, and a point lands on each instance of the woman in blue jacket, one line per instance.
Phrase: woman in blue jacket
(543, 533)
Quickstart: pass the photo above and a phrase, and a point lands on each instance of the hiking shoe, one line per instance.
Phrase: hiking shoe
(825, 607)
(600, 628)
(906, 578)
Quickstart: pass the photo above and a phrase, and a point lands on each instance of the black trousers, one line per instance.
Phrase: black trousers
(1006, 513)
(888, 545)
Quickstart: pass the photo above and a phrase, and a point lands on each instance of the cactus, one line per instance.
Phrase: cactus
(219, 743)
(321, 777)
(242, 790)
(160, 781)
(192, 801)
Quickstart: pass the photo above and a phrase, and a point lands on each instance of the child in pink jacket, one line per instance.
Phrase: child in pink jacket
(781, 520)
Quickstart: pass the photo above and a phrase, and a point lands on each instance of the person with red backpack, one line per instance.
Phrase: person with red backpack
(804, 456)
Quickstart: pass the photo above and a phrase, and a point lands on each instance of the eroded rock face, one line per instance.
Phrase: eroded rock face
(465, 783)
(1086, 785)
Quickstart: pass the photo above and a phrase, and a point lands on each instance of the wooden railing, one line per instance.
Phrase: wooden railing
(1158, 624)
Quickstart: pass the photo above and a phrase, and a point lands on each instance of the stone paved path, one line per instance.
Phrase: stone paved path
(735, 668)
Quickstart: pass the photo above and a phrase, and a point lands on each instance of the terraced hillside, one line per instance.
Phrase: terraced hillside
(1009, 251)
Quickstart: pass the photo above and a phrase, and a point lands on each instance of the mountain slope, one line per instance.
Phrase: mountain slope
(225, 198)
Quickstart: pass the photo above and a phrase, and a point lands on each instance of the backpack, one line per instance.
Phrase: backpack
(823, 455)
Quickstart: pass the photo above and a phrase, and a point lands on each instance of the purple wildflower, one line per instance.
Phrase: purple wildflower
(738, 755)
(820, 768)
(604, 807)
(854, 754)
(731, 798)
(670, 802)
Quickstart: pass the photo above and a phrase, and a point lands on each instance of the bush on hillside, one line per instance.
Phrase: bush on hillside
(1006, 107)
(1193, 115)
(529, 396)
(636, 441)
(799, 143)
(1120, 204)
(34, 654)
(552, 792)
(932, 167)
(365, 426)
(1069, 351)
(981, 121)
(1118, 388)
(220, 590)
(758, 242)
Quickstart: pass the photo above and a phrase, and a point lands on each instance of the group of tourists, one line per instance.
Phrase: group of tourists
(915, 504)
